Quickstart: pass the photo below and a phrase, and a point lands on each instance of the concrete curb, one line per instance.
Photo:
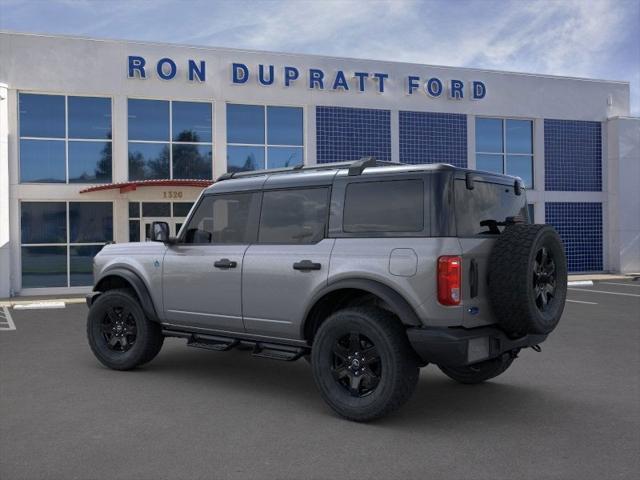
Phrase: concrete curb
(24, 301)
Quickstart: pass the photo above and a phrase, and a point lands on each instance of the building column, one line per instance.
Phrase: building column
(623, 195)
(5, 244)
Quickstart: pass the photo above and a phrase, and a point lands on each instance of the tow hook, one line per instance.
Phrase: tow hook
(536, 348)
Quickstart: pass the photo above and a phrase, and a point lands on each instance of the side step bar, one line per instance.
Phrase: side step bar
(274, 351)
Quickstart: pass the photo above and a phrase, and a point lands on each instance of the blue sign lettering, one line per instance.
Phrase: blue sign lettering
(261, 79)
(455, 90)
(362, 77)
(290, 74)
(162, 72)
(381, 77)
(433, 87)
(136, 64)
(196, 71)
(316, 77)
(479, 90)
(412, 84)
(166, 69)
(340, 81)
(240, 73)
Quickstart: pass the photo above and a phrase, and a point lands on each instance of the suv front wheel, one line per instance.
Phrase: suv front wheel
(363, 364)
(119, 333)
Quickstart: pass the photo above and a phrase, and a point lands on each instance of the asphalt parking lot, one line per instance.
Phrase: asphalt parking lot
(572, 411)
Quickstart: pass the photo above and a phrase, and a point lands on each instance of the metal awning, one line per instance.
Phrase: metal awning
(125, 187)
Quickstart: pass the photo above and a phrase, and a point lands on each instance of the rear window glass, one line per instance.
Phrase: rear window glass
(487, 201)
(294, 216)
(390, 206)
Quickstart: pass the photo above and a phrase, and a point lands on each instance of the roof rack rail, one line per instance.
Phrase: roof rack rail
(355, 168)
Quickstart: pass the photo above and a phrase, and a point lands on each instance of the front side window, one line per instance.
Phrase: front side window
(505, 146)
(223, 219)
(60, 239)
(297, 216)
(65, 139)
(388, 206)
(170, 140)
(261, 137)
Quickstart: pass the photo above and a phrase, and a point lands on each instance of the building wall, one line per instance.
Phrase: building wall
(582, 160)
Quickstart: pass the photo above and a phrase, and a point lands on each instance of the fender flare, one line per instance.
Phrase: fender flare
(396, 301)
(136, 283)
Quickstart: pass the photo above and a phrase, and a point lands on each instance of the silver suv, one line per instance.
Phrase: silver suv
(368, 270)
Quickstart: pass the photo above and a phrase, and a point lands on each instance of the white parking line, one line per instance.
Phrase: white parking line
(621, 284)
(602, 291)
(6, 322)
(580, 301)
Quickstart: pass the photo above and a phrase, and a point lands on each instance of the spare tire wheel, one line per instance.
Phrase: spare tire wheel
(528, 279)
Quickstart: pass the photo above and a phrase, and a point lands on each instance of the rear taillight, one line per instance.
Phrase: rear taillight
(449, 280)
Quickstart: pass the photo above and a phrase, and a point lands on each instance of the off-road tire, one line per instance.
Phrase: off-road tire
(397, 363)
(148, 337)
(478, 372)
(512, 279)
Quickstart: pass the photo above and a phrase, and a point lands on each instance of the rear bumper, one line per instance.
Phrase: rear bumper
(455, 347)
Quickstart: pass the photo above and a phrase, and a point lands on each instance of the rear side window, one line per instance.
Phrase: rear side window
(224, 219)
(390, 206)
(487, 201)
(296, 216)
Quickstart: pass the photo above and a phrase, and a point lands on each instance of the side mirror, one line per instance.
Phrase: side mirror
(160, 232)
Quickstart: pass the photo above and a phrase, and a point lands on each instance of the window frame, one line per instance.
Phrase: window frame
(67, 244)
(338, 203)
(254, 233)
(66, 138)
(170, 142)
(266, 145)
(325, 233)
(504, 154)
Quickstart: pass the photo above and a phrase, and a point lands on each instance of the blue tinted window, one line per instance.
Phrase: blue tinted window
(284, 156)
(148, 120)
(148, 160)
(42, 161)
(90, 222)
(191, 122)
(134, 230)
(156, 209)
(489, 163)
(44, 267)
(489, 135)
(89, 162)
(245, 124)
(241, 159)
(134, 210)
(41, 115)
(519, 136)
(284, 126)
(531, 211)
(43, 222)
(521, 166)
(81, 264)
(192, 161)
(89, 117)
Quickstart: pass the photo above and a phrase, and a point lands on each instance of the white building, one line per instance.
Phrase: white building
(98, 138)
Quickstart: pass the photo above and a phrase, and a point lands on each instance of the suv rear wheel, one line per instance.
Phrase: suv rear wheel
(363, 364)
(119, 333)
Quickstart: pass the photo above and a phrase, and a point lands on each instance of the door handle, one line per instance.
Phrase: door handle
(225, 263)
(305, 265)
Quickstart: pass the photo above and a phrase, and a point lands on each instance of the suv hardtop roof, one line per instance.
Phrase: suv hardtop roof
(356, 168)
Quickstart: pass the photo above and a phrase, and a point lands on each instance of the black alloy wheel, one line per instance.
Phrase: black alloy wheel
(356, 364)
(544, 281)
(119, 328)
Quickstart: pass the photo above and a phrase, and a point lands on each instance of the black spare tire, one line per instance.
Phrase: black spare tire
(528, 279)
